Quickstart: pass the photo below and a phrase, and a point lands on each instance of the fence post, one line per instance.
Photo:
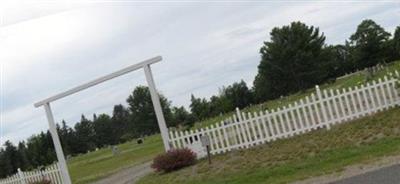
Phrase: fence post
(321, 102)
(396, 86)
(21, 176)
(239, 114)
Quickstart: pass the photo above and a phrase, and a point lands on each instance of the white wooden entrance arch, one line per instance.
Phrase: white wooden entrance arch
(154, 97)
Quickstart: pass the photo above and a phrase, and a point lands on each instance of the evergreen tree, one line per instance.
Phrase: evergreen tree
(105, 132)
(124, 128)
(200, 108)
(180, 116)
(41, 149)
(238, 94)
(142, 111)
(220, 104)
(5, 165)
(291, 61)
(23, 156)
(66, 135)
(85, 135)
(338, 61)
(10, 159)
(369, 42)
(395, 45)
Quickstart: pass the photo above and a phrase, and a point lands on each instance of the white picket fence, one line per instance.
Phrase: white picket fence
(52, 173)
(320, 110)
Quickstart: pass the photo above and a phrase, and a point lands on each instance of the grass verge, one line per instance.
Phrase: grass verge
(313, 154)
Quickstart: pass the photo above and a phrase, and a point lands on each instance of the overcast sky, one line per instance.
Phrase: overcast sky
(46, 48)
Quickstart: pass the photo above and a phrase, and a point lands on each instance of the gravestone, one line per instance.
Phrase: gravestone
(115, 150)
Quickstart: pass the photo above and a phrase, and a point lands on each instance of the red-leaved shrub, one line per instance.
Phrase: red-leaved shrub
(174, 159)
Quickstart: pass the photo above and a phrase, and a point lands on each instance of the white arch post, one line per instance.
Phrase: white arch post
(154, 97)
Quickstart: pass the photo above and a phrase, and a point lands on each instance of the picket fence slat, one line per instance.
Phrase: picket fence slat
(321, 109)
(52, 173)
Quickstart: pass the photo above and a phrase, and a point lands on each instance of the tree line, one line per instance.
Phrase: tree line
(294, 59)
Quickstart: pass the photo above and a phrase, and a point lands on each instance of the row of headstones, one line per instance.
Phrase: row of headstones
(114, 148)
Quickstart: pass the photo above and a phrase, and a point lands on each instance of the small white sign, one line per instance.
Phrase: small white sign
(196, 147)
(205, 140)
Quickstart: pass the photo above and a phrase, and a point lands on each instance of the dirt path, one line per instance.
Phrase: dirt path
(128, 175)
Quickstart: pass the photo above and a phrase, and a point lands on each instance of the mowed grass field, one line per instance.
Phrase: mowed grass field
(316, 153)
(98, 164)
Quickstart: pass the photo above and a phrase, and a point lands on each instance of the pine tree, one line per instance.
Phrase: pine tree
(291, 61)
(142, 111)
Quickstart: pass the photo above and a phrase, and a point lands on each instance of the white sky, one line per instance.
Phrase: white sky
(48, 47)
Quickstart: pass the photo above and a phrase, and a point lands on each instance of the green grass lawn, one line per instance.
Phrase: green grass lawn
(95, 165)
(313, 154)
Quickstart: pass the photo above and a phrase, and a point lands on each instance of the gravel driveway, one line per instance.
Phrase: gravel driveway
(127, 176)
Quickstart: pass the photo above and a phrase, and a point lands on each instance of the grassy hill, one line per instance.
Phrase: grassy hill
(316, 153)
(98, 164)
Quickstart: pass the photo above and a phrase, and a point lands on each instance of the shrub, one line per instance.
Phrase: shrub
(174, 159)
(43, 181)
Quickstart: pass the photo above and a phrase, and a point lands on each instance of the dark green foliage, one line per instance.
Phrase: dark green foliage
(5, 164)
(180, 116)
(67, 138)
(121, 124)
(23, 156)
(220, 104)
(291, 61)
(86, 135)
(199, 107)
(8, 159)
(35, 152)
(296, 58)
(370, 44)
(395, 45)
(337, 61)
(237, 95)
(105, 132)
(142, 111)
(230, 97)
(40, 149)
